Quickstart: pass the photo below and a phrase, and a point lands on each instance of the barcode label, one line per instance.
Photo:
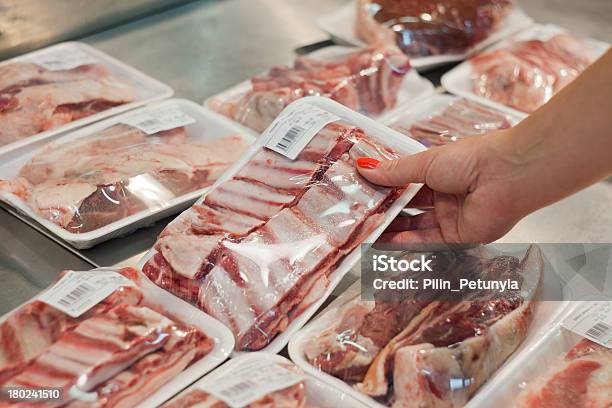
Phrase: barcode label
(593, 320)
(157, 120)
(62, 58)
(295, 127)
(77, 292)
(250, 381)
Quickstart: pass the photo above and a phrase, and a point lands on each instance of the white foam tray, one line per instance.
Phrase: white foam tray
(186, 313)
(413, 86)
(428, 106)
(545, 316)
(459, 79)
(375, 130)
(208, 126)
(318, 393)
(149, 90)
(340, 25)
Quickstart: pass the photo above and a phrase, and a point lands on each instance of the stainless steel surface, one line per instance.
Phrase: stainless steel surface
(204, 47)
(29, 24)
(29, 261)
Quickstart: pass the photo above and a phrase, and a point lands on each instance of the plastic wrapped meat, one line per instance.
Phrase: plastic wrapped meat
(431, 351)
(366, 81)
(422, 28)
(93, 181)
(113, 355)
(33, 99)
(582, 378)
(526, 74)
(260, 246)
(461, 118)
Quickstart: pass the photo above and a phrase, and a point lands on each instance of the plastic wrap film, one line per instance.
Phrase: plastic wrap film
(366, 81)
(85, 184)
(423, 28)
(526, 74)
(115, 353)
(451, 121)
(259, 248)
(427, 350)
(34, 99)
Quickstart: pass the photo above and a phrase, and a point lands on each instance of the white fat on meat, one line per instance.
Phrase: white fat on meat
(187, 253)
(59, 202)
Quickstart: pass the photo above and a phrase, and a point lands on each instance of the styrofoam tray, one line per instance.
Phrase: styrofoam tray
(459, 79)
(375, 130)
(208, 126)
(428, 106)
(340, 25)
(413, 86)
(149, 90)
(186, 313)
(318, 393)
(545, 316)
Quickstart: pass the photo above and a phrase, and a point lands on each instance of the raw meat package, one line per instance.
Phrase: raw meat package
(431, 33)
(64, 86)
(264, 247)
(563, 369)
(103, 339)
(370, 81)
(426, 350)
(440, 119)
(425, 27)
(524, 73)
(261, 380)
(127, 168)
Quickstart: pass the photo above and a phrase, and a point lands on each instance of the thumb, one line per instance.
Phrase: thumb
(399, 172)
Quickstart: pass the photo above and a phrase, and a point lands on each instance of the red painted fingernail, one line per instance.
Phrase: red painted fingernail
(367, 163)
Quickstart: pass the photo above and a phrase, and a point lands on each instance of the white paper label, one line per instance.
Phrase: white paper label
(157, 120)
(250, 382)
(77, 292)
(63, 58)
(293, 129)
(592, 320)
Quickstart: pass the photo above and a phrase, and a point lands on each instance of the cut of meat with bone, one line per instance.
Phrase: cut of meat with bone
(96, 350)
(29, 330)
(583, 378)
(131, 386)
(85, 184)
(38, 108)
(367, 80)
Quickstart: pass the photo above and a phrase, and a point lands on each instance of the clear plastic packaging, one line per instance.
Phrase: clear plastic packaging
(264, 247)
(369, 81)
(342, 26)
(49, 91)
(266, 390)
(524, 72)
(428, 350)
(440, 119)
(89, 183)
(136, 346)
(563, 369)
(423, 28)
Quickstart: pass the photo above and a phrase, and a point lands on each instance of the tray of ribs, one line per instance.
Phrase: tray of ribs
(562, 370)
(260, 380)
(268, 243)
(428, 349)
(431, 33)
(105, 338)
(63, 87)
(439, 119)
(123, 173)
(370, 81)
(525, 71)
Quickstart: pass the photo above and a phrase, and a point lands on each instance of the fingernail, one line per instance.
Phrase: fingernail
(367, 163)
